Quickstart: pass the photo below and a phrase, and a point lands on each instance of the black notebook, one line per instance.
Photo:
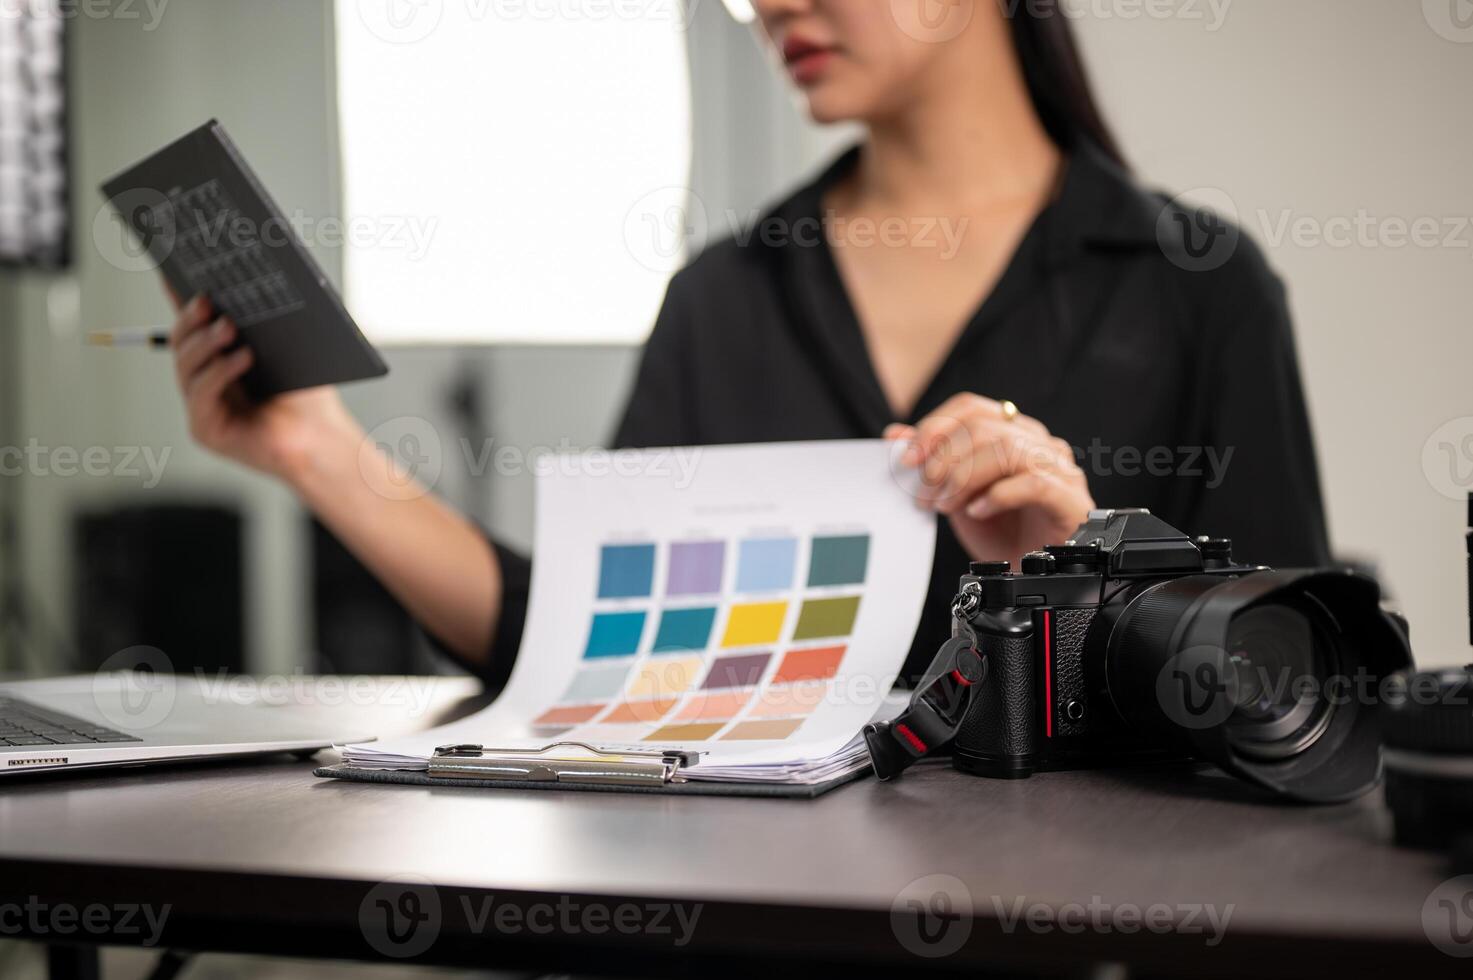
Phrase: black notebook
(204, 218)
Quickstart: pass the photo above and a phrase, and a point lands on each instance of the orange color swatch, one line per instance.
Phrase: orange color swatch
(714, 706)
(817, 664)
(789, 700)
(574, 715)
(629, 712)
(684, 733)
(777, 728)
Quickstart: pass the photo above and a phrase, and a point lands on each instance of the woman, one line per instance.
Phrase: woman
(982, 249)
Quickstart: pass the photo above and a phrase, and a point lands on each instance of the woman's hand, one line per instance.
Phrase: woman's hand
(432, 559)
(1008, 486)
(277, 437)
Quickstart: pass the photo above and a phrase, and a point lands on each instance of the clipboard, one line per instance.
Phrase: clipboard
(480, 767)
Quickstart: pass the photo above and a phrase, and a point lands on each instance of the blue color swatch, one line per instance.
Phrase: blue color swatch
(684, 629)
(626, 571)
(599, 683)
(766, 565)
(839, 561)
(614, 634)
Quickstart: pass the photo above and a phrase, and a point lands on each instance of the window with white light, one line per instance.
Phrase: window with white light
(513, 172)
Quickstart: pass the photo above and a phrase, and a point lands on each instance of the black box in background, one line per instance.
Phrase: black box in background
(169, 577)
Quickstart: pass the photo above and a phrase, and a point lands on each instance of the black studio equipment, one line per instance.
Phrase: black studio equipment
(168, 577)
(1429, 751)
(1134, 643)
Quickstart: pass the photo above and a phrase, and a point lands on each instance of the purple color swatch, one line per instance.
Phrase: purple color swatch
(743, 670)
(695, 567)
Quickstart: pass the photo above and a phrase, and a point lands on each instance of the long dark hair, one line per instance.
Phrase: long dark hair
(1057, 80)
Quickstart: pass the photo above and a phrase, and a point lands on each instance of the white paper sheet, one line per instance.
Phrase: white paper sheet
(751, 603)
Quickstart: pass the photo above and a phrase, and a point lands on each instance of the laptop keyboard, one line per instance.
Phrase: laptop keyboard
(23, 723)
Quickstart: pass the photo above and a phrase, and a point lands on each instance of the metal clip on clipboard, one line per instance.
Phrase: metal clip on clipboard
(535, 766)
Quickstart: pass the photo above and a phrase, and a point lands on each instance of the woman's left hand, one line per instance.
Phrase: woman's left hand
(1007, 484)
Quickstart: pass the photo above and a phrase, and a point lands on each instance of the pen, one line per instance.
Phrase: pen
(154, 338)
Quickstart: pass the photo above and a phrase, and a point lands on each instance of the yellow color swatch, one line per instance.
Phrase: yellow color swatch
(665, 677)
(750, 625)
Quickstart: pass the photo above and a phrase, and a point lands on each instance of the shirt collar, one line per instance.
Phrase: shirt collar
(1099, 207)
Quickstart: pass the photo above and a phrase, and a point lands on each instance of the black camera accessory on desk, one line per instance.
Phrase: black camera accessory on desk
(1135, 643)
(1429, 757)
(1429, 750)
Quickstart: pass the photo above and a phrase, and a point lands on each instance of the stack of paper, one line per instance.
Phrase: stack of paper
(750, 604)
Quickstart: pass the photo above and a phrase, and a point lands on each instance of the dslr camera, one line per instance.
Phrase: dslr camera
(1134, 643)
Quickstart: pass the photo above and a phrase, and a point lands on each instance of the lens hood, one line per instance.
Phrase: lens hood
(1171, 667)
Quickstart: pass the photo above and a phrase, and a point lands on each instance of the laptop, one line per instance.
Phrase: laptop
(135, 718)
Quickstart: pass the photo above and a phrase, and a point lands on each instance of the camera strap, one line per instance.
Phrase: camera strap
(936, 709)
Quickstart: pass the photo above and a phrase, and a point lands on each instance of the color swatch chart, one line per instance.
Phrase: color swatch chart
(711, 639)
(750, 603)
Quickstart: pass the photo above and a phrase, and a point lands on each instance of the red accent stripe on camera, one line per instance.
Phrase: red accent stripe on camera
(1048, 674)
(956, 675)
(911, 737)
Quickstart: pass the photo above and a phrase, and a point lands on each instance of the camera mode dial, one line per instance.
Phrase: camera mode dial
(1216, 552)
(1075, 557)
(1038, 563)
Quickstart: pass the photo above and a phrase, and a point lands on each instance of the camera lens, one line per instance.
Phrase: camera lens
(1270, 675)
(1281, 658)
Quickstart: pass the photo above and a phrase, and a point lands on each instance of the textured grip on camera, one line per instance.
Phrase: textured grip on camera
(1001, 723)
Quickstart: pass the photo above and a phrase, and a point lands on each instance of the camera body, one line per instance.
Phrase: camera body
(1133, 643)
(1044, 633)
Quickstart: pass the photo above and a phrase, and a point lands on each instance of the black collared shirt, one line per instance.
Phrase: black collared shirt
(1164, 355)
